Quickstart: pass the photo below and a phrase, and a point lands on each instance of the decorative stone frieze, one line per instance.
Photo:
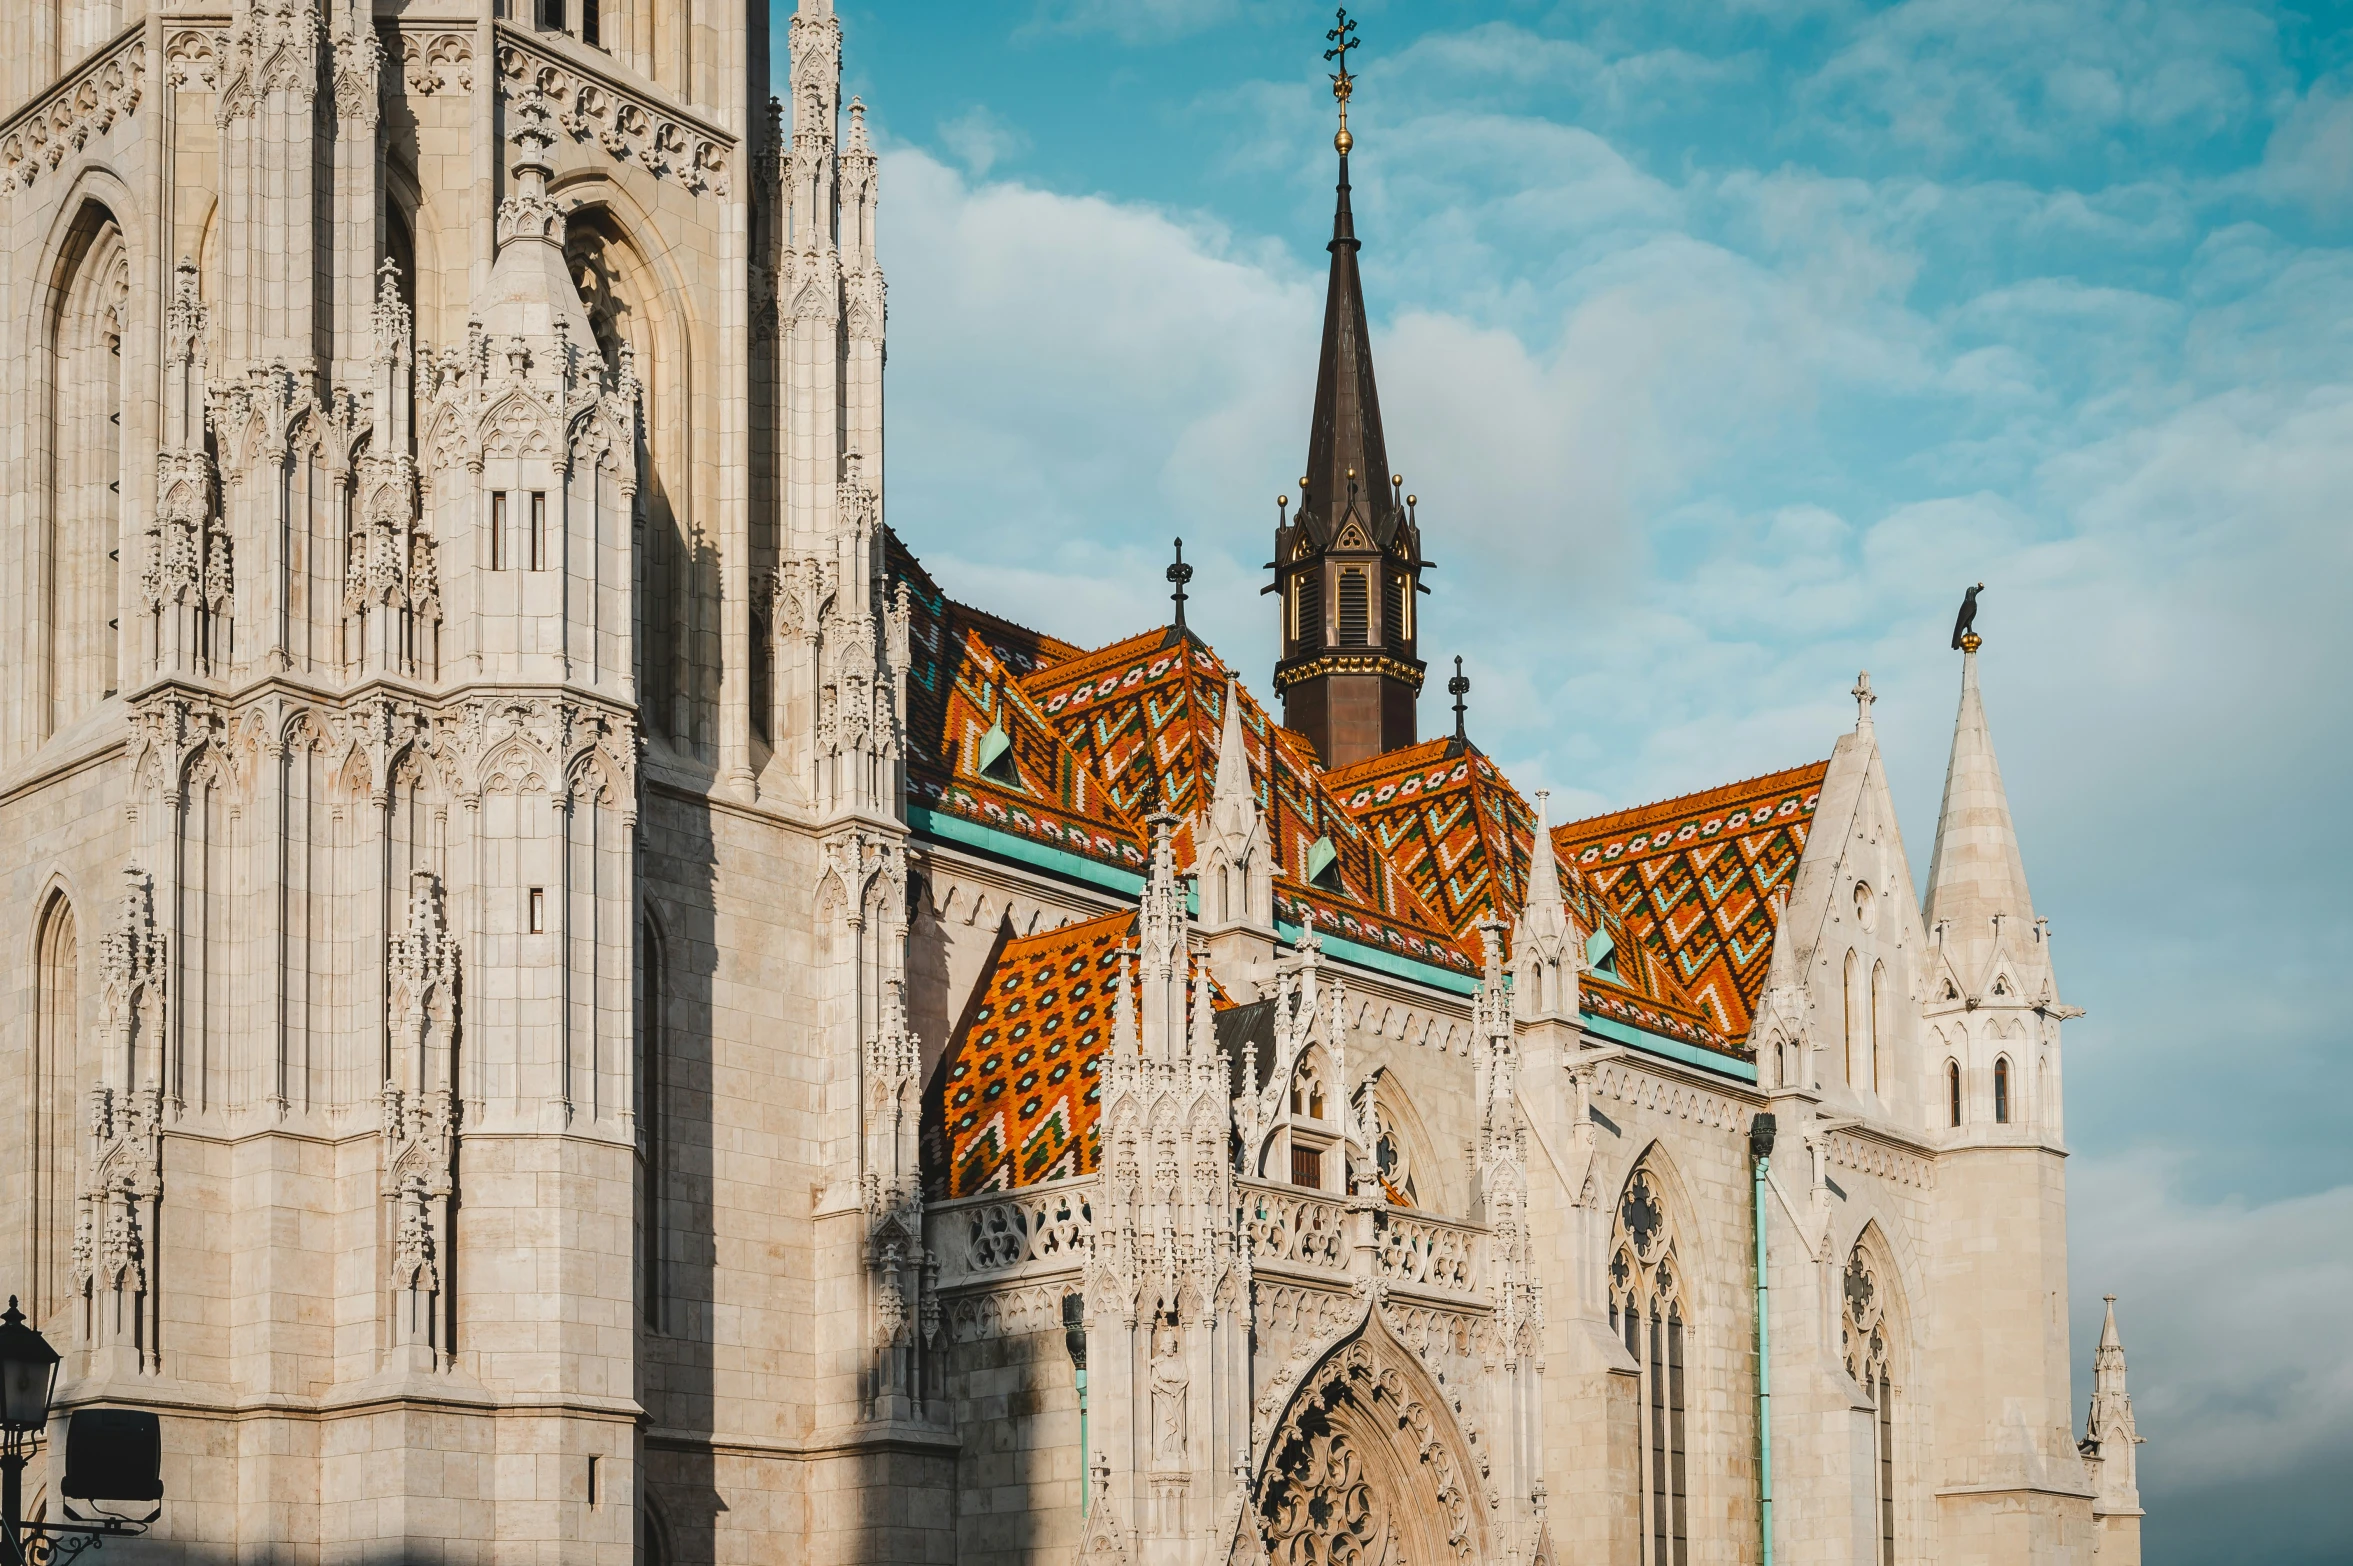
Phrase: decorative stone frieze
(632, 130)
(63, 121)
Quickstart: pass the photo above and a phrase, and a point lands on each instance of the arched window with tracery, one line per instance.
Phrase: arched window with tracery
(1647, 1309)
(2002, 1091)
(1865, 1338)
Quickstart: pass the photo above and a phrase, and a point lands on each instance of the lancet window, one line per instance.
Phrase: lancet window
(1952, 1087)
(54, 1102)
(1647, 1309)
(1857, 1025)
(1864, 1338)
(79, 603)
(1882, 1069)
(2002, 1091)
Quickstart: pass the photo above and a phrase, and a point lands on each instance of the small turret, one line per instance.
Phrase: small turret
(1232, 859)
(1543, 944)
(2109, 1438)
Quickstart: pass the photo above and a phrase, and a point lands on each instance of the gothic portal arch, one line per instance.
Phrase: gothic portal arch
(1368, 1467)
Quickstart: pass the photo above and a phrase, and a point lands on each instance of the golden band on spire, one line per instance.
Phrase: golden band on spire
(1342, 39)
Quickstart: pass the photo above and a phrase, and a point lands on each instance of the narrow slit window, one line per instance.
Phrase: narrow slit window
(498, 530)
(537, 914)
(539, 530)
(1952, 1084)
(2002, 1091)
(1307, 590)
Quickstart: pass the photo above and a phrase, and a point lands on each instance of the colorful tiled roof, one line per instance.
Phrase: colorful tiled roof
(1693, 878)
(1450, 822)
(1022, 1090)
(1145, 714)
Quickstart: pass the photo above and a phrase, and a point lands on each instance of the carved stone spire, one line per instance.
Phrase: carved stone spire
(2109, 1436)
(1544, 955)
(1976, 907)
(1232, 860)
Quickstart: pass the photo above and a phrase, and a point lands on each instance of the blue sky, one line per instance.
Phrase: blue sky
(1723, 345)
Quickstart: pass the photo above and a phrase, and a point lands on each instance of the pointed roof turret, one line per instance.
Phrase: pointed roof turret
(2109, 1433)
(1976, 879)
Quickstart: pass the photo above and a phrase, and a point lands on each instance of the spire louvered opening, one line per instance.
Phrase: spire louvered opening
(1355, 608)
(1307, 609)
(1395, 596)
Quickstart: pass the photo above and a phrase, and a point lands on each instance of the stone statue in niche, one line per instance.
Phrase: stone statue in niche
(1168, 1394)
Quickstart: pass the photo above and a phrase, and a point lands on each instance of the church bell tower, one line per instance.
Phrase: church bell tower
(1348, 562)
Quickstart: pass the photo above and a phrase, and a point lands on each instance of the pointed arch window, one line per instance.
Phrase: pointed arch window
(1307, 609)
(56, 1068)
(1952, 1087)
(2002, 1091)
(1864, 1339)
(1855, 1026)
(1882, 1069)
(1648, 1311)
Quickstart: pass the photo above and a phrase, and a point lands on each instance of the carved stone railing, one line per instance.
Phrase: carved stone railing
(61, 122)
(1422, 1252)
(1289, 1227)
(1004, 1236)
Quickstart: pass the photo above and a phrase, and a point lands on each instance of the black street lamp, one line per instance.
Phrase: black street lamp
(28, 1372)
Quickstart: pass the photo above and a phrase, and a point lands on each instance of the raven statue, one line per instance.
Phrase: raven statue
(1967, 619)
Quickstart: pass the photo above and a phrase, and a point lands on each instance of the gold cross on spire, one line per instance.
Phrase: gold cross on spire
(1342, 39)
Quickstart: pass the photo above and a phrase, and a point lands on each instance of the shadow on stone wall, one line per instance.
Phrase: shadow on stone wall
(678, 1247)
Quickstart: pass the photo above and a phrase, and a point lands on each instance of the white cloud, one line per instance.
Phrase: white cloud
(980, 139)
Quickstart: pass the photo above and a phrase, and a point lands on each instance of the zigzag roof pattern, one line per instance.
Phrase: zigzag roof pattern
(1450, 822)
(1021, 1098)
(1022, 1087)
(1145, 713)
(1449, 819)
(1693, 878)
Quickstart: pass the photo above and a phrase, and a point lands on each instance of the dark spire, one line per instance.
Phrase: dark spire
(1458, 688)
(1348, 561)
(1347, 460)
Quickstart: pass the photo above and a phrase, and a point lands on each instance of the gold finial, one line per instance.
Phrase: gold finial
(1342, 39)
(1971, 641)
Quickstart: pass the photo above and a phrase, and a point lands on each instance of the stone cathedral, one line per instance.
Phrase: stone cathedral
(565, 1001)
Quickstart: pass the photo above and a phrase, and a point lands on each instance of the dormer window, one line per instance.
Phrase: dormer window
(1323, 865)
(1601, 953)
(995, 757)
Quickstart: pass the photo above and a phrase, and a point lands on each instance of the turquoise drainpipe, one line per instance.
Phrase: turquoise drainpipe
(1760, 1151)
(1074, 1338)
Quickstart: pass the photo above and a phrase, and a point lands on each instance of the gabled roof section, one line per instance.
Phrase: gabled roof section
(1693, 879)
(1450, 822)
(1022, 1091)
(962, 683)
(1145, 714)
